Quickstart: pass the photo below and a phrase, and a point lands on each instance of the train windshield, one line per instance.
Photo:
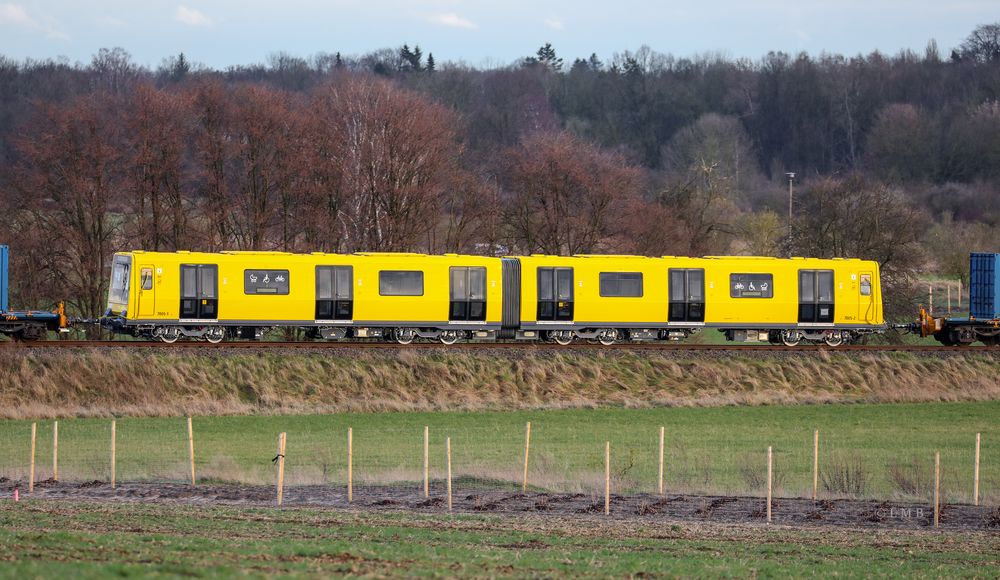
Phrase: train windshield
(121, 271)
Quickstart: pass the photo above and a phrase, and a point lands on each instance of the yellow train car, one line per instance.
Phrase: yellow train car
(610, 298)
(169, 295)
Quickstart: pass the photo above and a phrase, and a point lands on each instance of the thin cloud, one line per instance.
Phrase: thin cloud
(453, 20)
(191, 17)
(555, 24)
(16, 15)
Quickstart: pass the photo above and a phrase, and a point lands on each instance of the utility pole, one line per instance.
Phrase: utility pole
(791, 179)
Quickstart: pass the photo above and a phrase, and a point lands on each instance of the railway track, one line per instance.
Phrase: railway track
(126, 344)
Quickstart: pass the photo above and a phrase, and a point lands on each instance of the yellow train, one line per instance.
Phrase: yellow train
(402, 297)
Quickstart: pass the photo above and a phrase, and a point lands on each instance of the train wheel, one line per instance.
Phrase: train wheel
(448, 337)
(170, 334)
(215, 334)
(834, 339)
(790, 337)
(608, 336)
(404, 335)
(563, 338)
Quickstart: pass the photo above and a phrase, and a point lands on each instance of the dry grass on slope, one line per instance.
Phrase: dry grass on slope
(148, 383)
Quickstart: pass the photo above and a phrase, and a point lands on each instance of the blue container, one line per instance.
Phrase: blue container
(984, 286)
(4, 252)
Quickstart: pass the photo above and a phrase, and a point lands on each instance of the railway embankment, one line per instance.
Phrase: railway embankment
(155, 382)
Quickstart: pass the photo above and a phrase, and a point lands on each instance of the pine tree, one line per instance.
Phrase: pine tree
(430, 62)
(181, 67)
(418, 56)
(595, 63)
(337, 61)
(547, 56)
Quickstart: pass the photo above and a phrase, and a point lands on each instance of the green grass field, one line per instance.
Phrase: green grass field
(720, 449)
(87, 540)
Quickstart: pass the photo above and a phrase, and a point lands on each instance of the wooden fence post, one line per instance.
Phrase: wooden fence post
(191, 449)
(527, 448)
(350, 464)
(427, 444)
(659, 486)
(282, 441)
(937, 488)
(55, 451)
(975, 475)
(31, 471)
(770, 480)
(114, 467)
(815, 462)
(607, 478)
(447, 445)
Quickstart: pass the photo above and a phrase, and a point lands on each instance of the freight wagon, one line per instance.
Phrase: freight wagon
(25, 324)
(402, 297)
(983, 323)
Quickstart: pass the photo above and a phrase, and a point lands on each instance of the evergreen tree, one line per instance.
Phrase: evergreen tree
(337, 61)
(430, 62)
(595, 63)
(547, 56)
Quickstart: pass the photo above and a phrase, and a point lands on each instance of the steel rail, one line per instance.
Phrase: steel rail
(666, 347)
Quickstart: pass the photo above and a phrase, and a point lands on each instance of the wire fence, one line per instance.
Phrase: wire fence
(593, 458)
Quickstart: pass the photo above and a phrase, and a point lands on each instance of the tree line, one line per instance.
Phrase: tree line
(896, 158)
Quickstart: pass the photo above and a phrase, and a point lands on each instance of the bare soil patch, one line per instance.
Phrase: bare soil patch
(640, 508)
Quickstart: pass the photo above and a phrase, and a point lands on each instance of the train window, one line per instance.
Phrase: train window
(334, 289)
(555, 294)
(816, 296)
(265, 281)
(199, 291)
(401, 283)
(866, 284)
(468, 293)
(621, 284)
(118, 291)
(189, 282)
(751, 286)
(146, 277)
(687, 295)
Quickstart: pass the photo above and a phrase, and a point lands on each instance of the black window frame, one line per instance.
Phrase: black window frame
(467, 307)
(601, 281)
(336, 306)
(381, 291)
(199, 305)
(757, 277)
(555, 308)
(267, 271)
(816, 310)
(687, 309)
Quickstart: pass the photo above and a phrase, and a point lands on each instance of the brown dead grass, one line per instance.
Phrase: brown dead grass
(92, 382)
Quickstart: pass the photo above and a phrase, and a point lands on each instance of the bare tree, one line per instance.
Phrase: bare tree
(391, 154)
(157, 131)
(982, 45)
(69, 172)
(565, 195)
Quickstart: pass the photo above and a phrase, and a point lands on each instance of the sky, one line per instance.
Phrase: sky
(220, 33)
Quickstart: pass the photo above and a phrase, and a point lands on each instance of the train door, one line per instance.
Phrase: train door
(199, 292)
(866, 298)
(147, 302)
(815, 296)
(687, 295)
(468, 294)
(335, 293)
(555, 294)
